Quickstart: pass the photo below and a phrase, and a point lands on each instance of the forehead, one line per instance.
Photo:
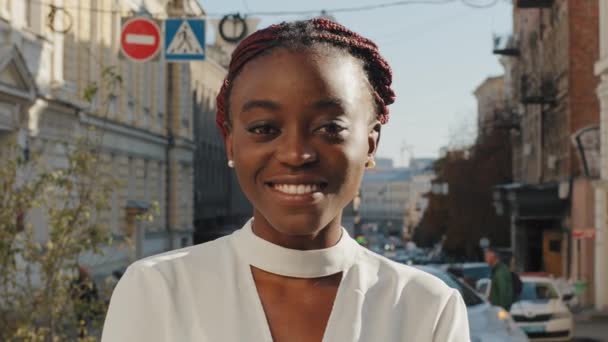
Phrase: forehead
(297, 77)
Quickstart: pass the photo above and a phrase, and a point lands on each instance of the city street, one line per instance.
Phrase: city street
(591, 329)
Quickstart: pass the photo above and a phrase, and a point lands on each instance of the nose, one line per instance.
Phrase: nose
(296, 150)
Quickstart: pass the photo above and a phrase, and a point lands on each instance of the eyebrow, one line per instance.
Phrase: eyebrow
(263, 104)
(329, 103)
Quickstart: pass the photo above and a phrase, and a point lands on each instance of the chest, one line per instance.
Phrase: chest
(297, 309)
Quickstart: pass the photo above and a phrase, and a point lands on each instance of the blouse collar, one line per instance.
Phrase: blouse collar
(295, 263)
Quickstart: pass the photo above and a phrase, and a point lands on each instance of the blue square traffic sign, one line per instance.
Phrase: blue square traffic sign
(184, 40)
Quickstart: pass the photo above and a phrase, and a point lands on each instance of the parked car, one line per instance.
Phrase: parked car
(486, 322)
(471, 272)
(541, 310)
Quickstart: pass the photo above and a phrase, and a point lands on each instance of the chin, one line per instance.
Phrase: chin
(298, 225)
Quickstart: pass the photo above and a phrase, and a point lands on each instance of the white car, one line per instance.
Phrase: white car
(540, 310)
(487, 323)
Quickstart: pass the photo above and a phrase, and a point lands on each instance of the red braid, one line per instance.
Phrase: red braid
(307, 33)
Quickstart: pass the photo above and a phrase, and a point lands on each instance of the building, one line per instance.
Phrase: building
(549, 77)
(221, 206)
(148, 144)
(393, 198)
(601, 189)
(490, 102)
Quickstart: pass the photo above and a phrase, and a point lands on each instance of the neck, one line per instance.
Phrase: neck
(320, 238)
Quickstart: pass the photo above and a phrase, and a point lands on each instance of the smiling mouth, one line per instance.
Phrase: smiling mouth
(297, 189)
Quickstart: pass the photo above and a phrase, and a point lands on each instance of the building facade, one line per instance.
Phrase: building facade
(550, 74)
(148, 145)
(221, 206)
(394, 199)
(601, 186)
(490, 96)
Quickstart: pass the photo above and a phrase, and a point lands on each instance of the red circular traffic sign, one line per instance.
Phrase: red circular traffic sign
(140, 39)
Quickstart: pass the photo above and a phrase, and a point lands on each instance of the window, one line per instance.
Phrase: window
(112, 104)
(555, 246)
(5, 9)
(161, 92)
(146, 117)
(130, 110)
(161, 119)
(131, 183)
(114, 210)
(146, 89)
(538, 291)
(28, 13)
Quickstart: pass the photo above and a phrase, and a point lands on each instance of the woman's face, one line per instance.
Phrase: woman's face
(302, 128)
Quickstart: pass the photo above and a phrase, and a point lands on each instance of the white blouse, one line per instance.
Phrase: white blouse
(206, 293)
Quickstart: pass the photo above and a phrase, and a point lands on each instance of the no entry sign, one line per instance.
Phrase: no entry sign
(140, 39)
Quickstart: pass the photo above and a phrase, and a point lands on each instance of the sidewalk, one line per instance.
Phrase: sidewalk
(591, 326)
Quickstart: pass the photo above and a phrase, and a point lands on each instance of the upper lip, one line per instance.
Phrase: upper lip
(296, 180)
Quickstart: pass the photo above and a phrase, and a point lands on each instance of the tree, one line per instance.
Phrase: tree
(45, 294)
(466, 213)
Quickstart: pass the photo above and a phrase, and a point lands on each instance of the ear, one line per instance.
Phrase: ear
(373, 137)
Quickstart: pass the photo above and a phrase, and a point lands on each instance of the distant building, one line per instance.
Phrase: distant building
(393, 198)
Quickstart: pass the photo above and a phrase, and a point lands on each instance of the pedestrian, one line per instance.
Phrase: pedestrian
(501, 290)
(301, 112)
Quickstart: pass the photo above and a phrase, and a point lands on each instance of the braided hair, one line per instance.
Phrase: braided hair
(306, 34)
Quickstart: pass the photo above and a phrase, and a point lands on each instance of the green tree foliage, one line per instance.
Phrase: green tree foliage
(44, 294)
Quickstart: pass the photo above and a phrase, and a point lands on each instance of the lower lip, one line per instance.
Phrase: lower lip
(296, 199)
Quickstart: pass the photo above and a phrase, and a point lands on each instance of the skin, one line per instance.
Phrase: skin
(301, 117)
(491, 258)
(304, 116)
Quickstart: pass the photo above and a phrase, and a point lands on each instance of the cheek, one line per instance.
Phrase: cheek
(352, 157)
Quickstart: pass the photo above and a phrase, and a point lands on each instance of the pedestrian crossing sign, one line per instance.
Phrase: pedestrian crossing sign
(184, 40)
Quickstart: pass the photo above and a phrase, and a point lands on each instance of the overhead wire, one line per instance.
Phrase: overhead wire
(248, 12)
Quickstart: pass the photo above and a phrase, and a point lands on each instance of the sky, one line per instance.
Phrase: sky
(439, 54)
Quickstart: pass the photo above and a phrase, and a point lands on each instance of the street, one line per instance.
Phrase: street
(591, 330)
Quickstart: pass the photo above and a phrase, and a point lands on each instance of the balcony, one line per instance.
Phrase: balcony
(507, 118)
(535, 3)
(507, 45)
(537, 92)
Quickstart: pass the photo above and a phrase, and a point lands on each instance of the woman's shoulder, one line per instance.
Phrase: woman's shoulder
(203, 257)
(406, 278)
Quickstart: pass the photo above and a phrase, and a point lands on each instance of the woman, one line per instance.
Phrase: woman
(300, 111)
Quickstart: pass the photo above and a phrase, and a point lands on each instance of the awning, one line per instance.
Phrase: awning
(532, 201)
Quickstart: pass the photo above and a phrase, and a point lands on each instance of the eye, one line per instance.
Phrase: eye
(332, 129)
(263, 129)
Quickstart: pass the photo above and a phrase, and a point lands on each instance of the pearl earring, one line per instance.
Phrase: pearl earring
(231, 164)
(370, 164)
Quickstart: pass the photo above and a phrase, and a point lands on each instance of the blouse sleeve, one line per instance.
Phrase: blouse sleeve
(453, 323)
(137, 310)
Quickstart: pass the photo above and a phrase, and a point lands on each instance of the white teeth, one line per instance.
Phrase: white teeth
(299, 189)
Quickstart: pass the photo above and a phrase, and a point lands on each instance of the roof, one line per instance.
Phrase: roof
(536, 279)
(388, 175)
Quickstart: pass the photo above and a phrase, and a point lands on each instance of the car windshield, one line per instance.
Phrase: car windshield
(538, 291)
(477, 272)
(470, 297)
